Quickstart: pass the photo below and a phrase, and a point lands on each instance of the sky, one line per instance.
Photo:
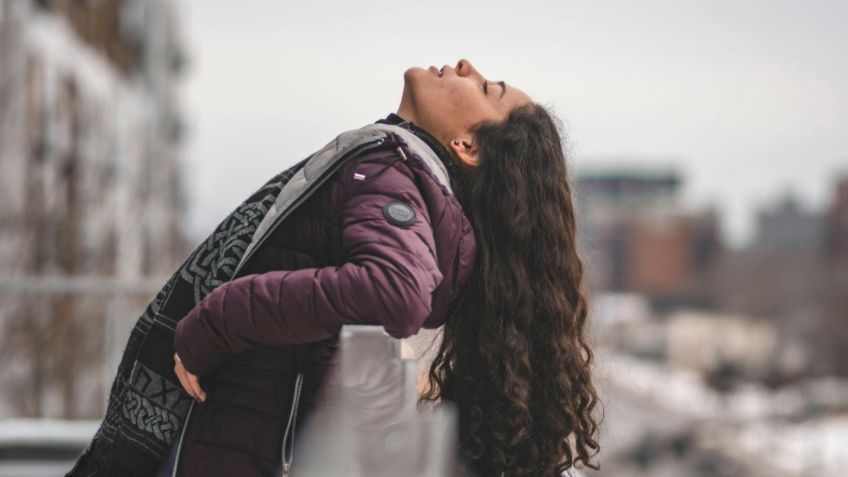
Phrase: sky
(747, 99)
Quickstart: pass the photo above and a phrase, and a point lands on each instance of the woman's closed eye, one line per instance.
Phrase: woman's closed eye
(502, 84)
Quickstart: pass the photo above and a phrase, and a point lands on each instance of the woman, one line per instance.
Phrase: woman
(461, 215)
(512, 356)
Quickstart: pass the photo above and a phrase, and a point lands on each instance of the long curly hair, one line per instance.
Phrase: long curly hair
(513, 357)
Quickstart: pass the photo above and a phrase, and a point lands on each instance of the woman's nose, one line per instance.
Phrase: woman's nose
(465, 68)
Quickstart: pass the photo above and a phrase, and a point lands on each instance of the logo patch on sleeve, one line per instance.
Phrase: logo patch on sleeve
(399, 213)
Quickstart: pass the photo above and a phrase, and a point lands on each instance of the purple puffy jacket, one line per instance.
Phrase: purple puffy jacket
(341, 258)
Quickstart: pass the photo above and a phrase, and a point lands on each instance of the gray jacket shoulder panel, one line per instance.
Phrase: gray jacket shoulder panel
(325, 158)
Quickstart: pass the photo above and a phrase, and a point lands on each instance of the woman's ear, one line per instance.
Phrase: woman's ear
(465, 151)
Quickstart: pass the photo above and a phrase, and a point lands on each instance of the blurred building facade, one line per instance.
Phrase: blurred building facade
(787, 227)
(640, 238)
(836, 228)
(717, 392)
(796, 273)
(91, 185)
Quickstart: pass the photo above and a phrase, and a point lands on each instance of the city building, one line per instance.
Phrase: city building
(787, 227)
(92, 199)
(837, 220)
(637, 237)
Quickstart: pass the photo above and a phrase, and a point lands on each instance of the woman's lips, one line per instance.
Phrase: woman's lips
(434, 70)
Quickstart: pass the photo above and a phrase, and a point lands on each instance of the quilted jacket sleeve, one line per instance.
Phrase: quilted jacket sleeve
(388, 278)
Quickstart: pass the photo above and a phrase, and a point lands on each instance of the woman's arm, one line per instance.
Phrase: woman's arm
(388, 278)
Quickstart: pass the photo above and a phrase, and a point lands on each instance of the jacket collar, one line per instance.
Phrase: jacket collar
(441, 152)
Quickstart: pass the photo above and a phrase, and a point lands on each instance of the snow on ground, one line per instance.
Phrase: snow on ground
(684, 391)
(813, 447)
(762, 421)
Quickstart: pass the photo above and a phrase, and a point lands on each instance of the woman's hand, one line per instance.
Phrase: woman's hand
(189, 381)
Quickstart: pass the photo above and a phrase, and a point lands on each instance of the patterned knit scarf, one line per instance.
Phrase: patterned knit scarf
(147, 407)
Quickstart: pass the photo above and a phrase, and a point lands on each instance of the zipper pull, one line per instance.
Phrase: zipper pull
(298, 385)
(402, 155)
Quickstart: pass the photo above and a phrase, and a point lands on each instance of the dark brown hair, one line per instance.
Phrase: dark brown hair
(513, 357)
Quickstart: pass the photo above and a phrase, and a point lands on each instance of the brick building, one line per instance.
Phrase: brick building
(638, 237)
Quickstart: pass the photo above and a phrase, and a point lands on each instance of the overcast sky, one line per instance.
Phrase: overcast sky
(747, 99)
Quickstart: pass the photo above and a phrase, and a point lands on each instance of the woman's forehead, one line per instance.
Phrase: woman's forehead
(512, 97)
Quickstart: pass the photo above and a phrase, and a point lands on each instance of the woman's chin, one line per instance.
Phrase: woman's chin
(417, 73)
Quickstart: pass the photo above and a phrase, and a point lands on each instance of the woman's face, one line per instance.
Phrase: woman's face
(447, 102)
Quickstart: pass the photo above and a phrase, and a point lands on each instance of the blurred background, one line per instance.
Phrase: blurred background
(708, 145)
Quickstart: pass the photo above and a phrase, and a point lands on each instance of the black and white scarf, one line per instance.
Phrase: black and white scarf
(147, 407)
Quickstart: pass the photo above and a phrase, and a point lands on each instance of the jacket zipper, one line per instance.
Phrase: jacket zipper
(290, 425)
(180, 442)
(362, 148)
(368, 146)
